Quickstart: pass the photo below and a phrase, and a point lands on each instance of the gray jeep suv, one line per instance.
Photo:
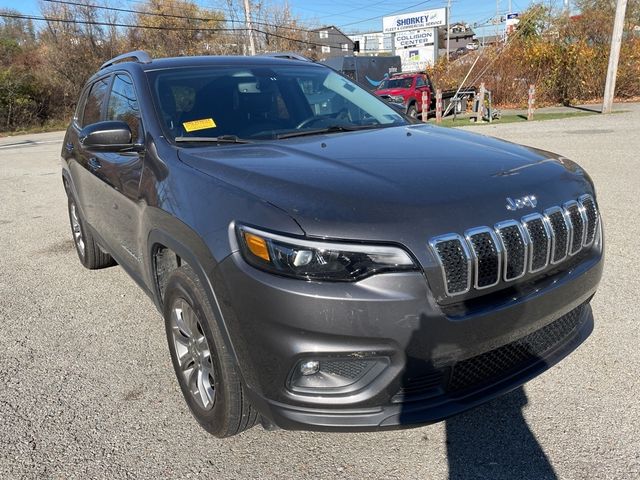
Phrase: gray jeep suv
(321, 261)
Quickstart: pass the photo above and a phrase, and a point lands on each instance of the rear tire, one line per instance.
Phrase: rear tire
(207, 375)
(89, 253)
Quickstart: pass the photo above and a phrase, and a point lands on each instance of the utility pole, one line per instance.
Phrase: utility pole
(448, 29)
(614, 57)
(247, 16)
(497, 21)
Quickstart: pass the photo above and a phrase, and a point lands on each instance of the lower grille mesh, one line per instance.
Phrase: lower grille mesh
(493, 366)
(515, 356)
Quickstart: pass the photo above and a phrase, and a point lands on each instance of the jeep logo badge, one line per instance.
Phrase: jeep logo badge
(518, 203)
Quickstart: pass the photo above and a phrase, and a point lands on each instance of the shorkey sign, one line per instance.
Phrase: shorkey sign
(415, 21)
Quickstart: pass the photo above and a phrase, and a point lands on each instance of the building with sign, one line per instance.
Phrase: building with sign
(415, 37)
(415, 21)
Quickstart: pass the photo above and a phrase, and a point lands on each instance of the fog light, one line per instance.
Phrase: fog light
(310, 367)
(335, 375)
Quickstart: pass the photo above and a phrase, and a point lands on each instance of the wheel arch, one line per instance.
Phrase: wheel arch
(166, 252)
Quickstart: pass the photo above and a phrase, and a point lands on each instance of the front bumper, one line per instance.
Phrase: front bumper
(276, 322)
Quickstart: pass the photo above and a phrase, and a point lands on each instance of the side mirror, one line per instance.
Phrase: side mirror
(110, 136)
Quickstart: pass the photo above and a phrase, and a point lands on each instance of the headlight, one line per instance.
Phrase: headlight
(315, 260)
(396, 98)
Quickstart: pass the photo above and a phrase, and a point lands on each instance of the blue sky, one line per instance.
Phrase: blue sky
(348, 15)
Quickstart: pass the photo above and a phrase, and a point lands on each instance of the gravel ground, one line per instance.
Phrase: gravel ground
(87, 389)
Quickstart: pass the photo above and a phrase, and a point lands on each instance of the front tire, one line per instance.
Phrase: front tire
(89, 253)
(207, 375)
(412, 111)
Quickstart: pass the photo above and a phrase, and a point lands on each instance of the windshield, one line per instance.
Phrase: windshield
(396, 83)
(264, 102)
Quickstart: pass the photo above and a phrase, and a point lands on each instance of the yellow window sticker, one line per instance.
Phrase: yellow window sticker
(202, 124)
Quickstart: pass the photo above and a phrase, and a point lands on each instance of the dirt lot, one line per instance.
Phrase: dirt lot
(87, 388)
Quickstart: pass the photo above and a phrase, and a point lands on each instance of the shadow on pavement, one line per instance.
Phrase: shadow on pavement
(493, 441)
(593, 109)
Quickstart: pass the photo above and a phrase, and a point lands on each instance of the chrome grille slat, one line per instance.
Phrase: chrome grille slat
(513, 248)
(515, 244)
(487, 256)
(577, 222)
(455, 261)
(540, 235)
(560, 233)
(589, 206)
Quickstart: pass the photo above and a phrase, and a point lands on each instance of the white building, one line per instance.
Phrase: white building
(373, 43)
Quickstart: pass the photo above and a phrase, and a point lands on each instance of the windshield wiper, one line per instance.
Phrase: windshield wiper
(329, 129)
(220, 139)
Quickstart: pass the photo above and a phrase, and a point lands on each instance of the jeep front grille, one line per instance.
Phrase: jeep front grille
(559, 233)
(455, 262)
(515, 245)
(540, 236)
(487, 256)
(591, 212)
(511, 249)
(577, 220)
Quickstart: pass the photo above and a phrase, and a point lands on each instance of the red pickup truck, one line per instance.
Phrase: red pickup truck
(407, 89)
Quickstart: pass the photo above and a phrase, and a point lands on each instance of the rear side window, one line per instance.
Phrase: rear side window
(420, 82)
(95, 101)
(123, 104)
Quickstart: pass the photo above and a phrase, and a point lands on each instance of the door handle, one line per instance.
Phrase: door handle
(94, 164)
(69, 147)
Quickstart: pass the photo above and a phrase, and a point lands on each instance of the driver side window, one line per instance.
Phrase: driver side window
(95, 101)
(123, 104)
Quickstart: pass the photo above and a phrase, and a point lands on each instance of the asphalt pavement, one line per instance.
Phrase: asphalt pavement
(87, 389)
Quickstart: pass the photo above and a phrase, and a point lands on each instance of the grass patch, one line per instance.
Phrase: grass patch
(465, 122)
(49, 126)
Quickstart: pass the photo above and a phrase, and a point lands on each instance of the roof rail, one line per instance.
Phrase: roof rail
(139, 56)
(289, 55)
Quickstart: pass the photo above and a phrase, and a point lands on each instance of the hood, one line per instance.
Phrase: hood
(401, 184)
(392, 91)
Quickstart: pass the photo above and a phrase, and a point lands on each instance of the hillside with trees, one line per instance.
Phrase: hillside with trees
(45, 59)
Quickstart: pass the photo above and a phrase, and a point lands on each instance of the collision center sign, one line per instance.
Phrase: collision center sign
(415, 38)
(415, 21)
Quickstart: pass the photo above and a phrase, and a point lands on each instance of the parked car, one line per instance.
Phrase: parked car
(407, 89)
(320, 262)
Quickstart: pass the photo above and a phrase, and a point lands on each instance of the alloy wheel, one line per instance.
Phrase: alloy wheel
(193, 354)
(78, 237)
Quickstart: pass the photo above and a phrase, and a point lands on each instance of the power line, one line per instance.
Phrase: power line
(114, 24)
(386, 14)
(353, 10)
(170, 15)
(152, 27)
